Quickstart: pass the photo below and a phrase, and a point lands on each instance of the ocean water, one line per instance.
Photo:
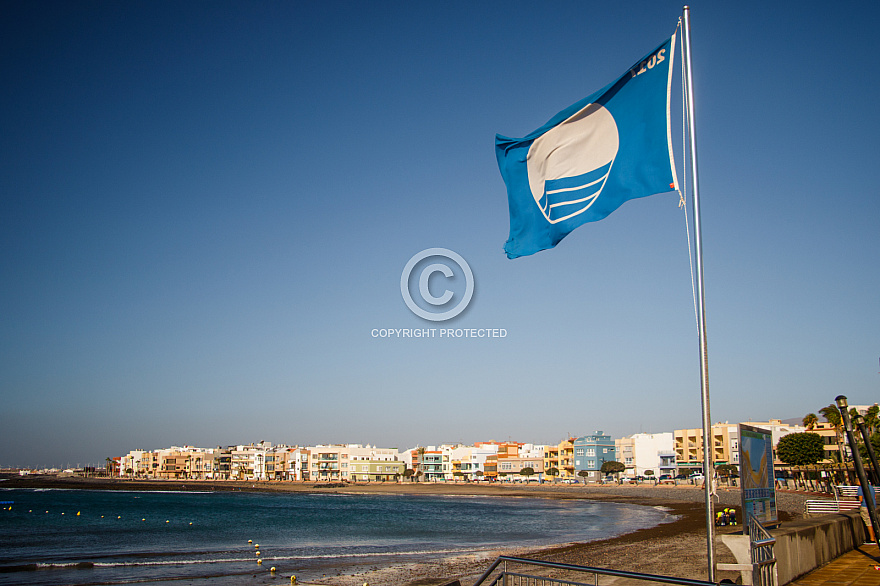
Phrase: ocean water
(54, 536)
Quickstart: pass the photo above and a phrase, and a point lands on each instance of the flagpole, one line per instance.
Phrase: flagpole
(708, 471)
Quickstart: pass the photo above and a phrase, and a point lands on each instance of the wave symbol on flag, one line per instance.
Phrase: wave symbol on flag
(569, 164)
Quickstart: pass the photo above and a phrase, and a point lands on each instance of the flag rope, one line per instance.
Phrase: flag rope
(682, 202)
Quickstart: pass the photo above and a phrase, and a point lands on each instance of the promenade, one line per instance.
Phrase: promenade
(859, 567)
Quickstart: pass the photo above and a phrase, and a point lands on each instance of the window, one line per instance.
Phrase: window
(579, 452)
(591, 451)
(591, 463)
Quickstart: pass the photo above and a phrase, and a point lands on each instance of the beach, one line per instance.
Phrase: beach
(677, 548)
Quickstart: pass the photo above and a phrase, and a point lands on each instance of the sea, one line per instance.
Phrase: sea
(62, 536)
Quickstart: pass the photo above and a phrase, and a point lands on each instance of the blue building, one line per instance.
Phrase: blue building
(590, 452)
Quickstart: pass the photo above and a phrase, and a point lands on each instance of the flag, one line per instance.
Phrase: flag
(610, 147)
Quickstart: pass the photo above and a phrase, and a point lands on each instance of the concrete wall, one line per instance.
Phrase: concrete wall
(802, 546)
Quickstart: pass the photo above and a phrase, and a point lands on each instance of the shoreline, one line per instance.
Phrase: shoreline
(676, 548)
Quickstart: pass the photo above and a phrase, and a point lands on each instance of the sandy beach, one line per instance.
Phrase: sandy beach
(674, 549)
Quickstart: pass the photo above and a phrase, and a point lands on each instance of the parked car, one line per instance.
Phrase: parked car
(697, 477)
(666, 479)
(681, 477)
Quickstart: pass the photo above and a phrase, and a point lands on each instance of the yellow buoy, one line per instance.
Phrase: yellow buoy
(62, 513)
(250, 541)
(166, 520)
(190, 522)
(77, 513)
(293, 579)
(258, 552)
(256, 546)
(272, 569)
(259, 561)
(119, 517)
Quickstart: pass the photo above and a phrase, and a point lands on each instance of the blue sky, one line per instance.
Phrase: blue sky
(206, 209)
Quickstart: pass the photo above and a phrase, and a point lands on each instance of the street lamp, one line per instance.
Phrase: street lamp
(857, 460)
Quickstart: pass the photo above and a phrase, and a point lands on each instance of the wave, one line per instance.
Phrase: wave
(46, 566)
(302, 558)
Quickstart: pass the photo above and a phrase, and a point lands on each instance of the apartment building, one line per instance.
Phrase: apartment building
(590, 452)
(511, 468)
(328, 462)
(431, 464)
(689, 447)
(560, 458)
(368, 470)
(647, 451)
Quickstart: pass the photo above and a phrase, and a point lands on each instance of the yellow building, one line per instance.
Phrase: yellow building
(560, 457)
(689, 446)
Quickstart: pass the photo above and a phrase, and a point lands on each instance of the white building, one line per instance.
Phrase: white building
(647, 451)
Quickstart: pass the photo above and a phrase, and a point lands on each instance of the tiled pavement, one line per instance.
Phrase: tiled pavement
(859, 567)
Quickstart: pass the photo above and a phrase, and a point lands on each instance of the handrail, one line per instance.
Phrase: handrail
(598, 571)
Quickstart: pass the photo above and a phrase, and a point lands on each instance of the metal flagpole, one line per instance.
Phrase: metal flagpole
(708, 471)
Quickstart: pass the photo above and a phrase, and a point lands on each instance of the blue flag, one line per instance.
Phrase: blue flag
(610, 147)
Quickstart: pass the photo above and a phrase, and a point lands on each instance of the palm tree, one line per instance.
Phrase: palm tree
(810, 421)
(832, 416)
(872, 418)
(421, 452)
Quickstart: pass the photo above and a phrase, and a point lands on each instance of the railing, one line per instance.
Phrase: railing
(763, 558)
(845, 499)
(505, 577)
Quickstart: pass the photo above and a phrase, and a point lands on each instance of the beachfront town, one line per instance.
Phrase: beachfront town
(597, 457)
(661, 457)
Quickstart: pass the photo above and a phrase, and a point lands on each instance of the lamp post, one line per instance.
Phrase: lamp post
(859, 422)
(857, 460)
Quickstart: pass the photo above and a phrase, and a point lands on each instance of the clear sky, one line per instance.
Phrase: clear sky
(207, 207)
